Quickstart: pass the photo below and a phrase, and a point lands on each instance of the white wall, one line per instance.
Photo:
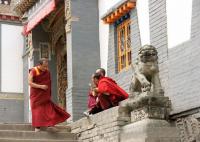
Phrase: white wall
(143, 21)
(104, 5)
(179, 14)
(11, 59)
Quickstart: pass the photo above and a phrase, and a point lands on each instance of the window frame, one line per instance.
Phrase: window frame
(48, 50)
(124, 57)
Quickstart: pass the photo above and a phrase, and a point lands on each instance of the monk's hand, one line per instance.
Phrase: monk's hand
(43, 87)
(97, 99)
(96, 90)
(106, 93)
(94, 93)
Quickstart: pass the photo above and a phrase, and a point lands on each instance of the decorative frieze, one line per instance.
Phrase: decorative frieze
(23, 5)
(68, 15)
(152, 112)
(189, 129)
(57, 30)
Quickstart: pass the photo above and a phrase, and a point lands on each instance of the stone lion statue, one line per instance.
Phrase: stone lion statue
(146, 72)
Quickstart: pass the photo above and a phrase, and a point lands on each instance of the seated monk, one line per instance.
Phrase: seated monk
(93, 105)
(109, 93)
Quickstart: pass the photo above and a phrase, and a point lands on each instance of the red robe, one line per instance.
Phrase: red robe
(91, 100)
(44, 111)
(116, 94)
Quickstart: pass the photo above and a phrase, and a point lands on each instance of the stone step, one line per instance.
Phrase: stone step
(10, 126)
(28, 127)
(13, 134)
(34, 140)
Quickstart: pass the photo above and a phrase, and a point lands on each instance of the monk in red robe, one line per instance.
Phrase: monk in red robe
(109, 93)
(93, 105)
(44, 112)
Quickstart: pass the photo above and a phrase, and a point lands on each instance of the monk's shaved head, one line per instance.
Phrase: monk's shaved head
(43, 63)
(43, 60)
(101, 71)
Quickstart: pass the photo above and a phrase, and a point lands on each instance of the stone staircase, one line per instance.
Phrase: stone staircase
(25, 133)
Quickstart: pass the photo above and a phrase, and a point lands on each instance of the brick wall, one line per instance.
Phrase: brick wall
(101, 127)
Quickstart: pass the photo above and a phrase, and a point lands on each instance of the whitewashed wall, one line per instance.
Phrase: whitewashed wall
(11, 59)
(179, 13)
(143, 21)
(104, 5)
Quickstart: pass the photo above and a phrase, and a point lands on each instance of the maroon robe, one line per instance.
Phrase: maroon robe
(44, 111)
(91, 100)
(116, 94)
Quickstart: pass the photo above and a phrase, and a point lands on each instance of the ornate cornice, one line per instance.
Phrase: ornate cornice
(24, 5)
(118, 10)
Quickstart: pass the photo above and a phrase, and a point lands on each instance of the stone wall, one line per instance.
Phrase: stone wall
(102, 127)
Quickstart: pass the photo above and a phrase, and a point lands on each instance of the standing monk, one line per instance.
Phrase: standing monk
(44, 112)
(109, 93)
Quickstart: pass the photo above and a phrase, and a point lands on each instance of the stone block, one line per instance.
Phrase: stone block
(149, 130)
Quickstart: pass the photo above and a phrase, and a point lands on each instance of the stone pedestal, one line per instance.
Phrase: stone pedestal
(149, 115)
(149, 130)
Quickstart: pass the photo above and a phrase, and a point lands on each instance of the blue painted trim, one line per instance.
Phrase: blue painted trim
(122, 19)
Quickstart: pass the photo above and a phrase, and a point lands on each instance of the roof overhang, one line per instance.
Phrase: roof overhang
(38, 14)
(119, 10)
